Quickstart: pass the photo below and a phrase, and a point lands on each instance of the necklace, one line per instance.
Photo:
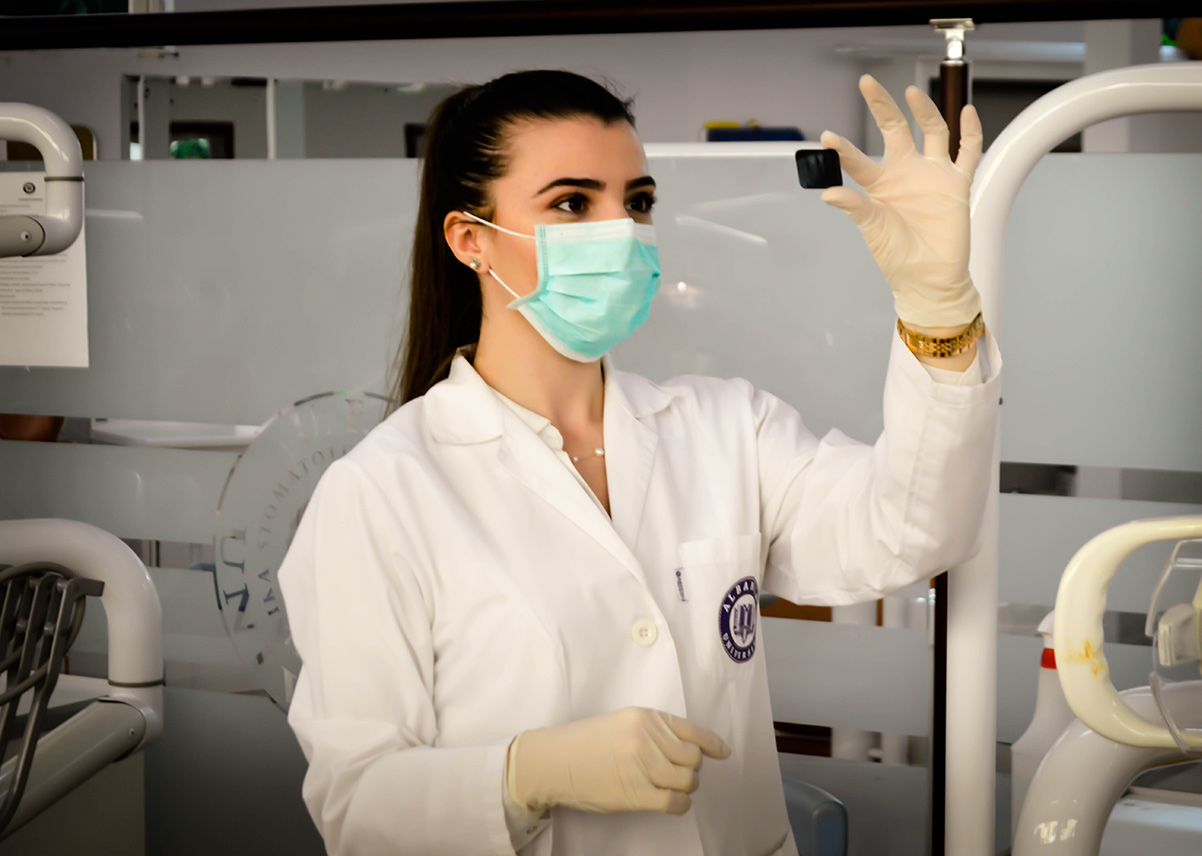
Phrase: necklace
(598, 452)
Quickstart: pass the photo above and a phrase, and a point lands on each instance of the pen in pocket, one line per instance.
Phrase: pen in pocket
(680, 584)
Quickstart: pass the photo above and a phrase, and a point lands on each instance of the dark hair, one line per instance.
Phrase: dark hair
(465, 152)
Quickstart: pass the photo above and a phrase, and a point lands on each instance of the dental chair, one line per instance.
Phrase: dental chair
(1117, 735)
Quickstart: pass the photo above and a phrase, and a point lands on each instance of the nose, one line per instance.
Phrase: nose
(611, 208)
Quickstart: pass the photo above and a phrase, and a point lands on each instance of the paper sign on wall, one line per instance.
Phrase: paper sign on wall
(43, 299)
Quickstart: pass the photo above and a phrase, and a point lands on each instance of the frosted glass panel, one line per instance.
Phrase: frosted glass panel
(1039, 534)
(151, 494)
(763, 280)
(1102, 303)
(842, 674)
(224, 291)
(221, 292)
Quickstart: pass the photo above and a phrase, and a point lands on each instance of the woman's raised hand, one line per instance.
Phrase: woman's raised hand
(634, 759)
(915, 214)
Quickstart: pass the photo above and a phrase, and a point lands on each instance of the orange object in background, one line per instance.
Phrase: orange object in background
(1189, 37)
(38, 428)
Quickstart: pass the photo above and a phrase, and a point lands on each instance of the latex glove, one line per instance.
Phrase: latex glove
(915, 216)
(631, 760)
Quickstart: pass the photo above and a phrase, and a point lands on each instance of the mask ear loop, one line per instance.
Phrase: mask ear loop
(492, 273)
(516, 296)
(472, 216)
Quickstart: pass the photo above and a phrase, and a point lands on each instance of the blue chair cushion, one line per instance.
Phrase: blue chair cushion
(818, 819)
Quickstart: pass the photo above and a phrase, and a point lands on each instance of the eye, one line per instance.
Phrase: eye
(577, 203)
(642, 203)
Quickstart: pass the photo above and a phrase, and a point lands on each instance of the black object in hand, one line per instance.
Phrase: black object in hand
(818, 168)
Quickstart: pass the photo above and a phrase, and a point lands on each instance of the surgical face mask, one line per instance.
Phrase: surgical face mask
(596, 281)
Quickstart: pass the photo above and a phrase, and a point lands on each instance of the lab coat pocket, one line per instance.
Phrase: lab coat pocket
(718, 580)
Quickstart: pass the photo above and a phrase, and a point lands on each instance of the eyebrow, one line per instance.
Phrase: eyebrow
(593, 184)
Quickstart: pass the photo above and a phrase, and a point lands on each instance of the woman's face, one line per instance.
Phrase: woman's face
(563, 171)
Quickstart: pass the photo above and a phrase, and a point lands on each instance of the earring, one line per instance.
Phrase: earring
(474, 264)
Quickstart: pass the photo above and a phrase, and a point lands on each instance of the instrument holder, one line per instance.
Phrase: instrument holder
(41, 612)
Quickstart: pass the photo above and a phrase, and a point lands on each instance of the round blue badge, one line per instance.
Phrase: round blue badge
(737, 619)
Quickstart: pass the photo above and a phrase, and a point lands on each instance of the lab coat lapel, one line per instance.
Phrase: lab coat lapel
(532, 463)
(464, 410)
(630, 445)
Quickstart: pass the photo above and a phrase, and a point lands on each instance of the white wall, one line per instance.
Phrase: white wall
(680, 80)
(1110, 45)
(364, 121)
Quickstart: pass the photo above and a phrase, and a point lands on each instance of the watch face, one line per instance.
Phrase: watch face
(261, 506)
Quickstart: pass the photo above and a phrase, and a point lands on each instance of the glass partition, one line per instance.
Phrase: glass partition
(223, 292)
(191, 117)
(1101, 414)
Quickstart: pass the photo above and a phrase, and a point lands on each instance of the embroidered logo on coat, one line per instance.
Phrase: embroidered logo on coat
(737, 619)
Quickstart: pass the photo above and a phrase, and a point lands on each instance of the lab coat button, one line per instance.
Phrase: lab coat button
(644, 632)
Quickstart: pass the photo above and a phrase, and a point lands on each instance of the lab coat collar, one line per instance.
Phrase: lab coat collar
(463, 409)
(636, 395)
(630, 445)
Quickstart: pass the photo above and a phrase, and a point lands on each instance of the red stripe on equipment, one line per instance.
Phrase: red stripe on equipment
(1049, 658)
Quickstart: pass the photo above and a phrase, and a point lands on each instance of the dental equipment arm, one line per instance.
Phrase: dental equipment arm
(54, 231)
(72, 753)
(1116, 735)
(1081, 778)
(127, 714)
(1080, 605)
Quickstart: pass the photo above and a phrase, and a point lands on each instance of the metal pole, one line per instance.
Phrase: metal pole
(142, 117)
(954, 94)
(271, 141)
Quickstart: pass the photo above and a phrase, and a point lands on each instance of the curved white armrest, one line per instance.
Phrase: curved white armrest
(131, 602)
(1080, 604)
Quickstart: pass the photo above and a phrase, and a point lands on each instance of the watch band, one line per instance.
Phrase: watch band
(931, 346)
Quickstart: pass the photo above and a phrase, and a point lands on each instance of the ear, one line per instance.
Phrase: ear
(463, 237)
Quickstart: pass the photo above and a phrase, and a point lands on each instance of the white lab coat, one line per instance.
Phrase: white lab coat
(452, 584)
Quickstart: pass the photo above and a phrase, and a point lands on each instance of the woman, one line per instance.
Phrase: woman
(526, 602)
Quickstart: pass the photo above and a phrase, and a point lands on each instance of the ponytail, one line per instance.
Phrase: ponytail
(444, 302)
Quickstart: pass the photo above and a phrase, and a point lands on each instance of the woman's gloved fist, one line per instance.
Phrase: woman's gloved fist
(634, 759)
(915, 214)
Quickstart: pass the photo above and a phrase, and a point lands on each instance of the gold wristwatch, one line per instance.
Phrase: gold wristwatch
(931, 346)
